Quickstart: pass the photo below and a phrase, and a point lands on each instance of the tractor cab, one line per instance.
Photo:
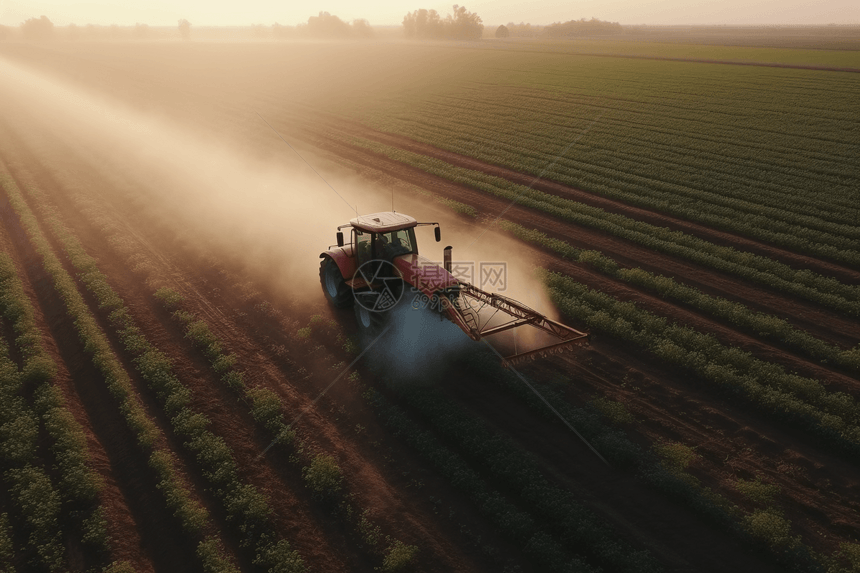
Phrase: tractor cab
(389, 237)
(383, 236)
(374, 240)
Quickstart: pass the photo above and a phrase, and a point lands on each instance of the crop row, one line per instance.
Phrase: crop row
(649, 465)
(718, 149)
(833, 416)
(677, 160)
(805, 284)
(35, 498)
(666, 155)
(7, 549)
(738, 133)
(799, 231)
(765, 326)
(564, 518)
(178, 497)
(322, 474)
(243, 503)
(266, 407)
(73, 505)
(512, 522)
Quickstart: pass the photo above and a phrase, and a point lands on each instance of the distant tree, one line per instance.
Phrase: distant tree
(422, 24)
(583, 27)
(427, 24)
(502, 32)
(141, 31)
(5, 31)
(362, 29)
(37, 29)
(327, 26)
(73, 32)
(113, 31)
(523, 30)
(185, 29)
(464, 25)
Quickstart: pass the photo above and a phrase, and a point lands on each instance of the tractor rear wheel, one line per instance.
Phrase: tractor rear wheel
(333, 284)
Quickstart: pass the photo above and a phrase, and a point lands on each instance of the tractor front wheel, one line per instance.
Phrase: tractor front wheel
(370, 322)
(333, 284)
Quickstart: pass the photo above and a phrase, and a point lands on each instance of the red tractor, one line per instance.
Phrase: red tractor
(380, 264)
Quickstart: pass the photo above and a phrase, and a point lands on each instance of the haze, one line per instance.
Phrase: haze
(275, 216)
(390, 13)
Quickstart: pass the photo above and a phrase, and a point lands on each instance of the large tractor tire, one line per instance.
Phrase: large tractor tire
(333, 284)
(370, 323)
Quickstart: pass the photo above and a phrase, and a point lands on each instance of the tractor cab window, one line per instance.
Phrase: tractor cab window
(396, 243)
(363, 246)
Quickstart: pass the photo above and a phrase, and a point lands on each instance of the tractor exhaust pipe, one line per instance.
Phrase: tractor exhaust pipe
(446, 258)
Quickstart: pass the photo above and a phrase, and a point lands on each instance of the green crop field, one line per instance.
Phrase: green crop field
(178, 394)
(763, 152)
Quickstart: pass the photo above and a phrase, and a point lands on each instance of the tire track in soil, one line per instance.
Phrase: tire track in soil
(377, 486)
(246, 443)
(161, 539)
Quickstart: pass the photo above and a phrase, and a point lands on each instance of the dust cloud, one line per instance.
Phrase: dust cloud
(276, 216)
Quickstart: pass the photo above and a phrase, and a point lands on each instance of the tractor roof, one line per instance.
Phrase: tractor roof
(383, 222)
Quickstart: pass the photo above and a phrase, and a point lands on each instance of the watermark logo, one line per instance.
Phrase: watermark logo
(432, 302)
(494, 275)
(463, 271)
(490, 275)
(377, 286)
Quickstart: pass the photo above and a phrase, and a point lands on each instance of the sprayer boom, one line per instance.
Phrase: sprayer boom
(466, 311)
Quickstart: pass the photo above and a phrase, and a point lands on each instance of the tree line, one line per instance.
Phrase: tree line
(324, 25)
(571, 28)
(428, 24)
(419, 24)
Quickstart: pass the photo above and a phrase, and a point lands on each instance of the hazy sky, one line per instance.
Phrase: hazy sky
(391, 12)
